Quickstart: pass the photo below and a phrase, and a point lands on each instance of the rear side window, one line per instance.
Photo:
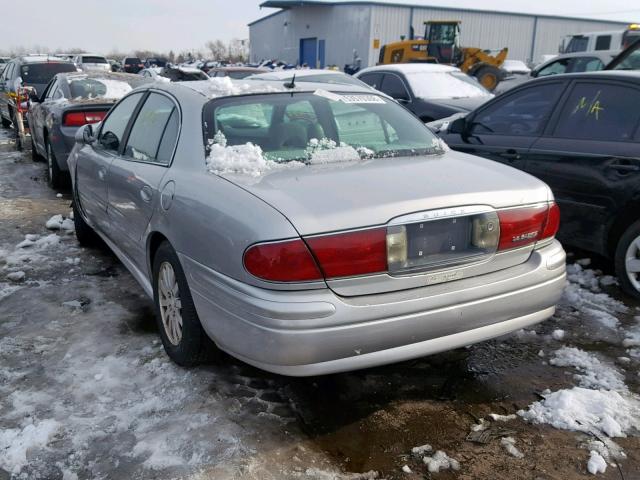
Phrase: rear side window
(39, 73)
(155, 118)
(113, 128)
(586, 64)
(394, 87)
(600, 112)
(555, 68)
(523, 113)
(603, 42)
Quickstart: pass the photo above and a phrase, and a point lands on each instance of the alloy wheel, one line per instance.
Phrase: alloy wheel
(170, 303)
(632, 263)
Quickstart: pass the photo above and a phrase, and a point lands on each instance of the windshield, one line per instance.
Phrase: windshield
(87, 88)
(445, 85)
(308, 128)
(42, 73)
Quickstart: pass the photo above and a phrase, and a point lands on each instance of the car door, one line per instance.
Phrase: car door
(505, 128)
(590, 157)
(94, 160)
(135, 175)
(5, 87)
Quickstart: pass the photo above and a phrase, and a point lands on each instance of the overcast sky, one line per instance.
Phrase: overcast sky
(125, 25)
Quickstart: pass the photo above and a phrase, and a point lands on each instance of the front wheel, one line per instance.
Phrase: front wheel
(183, 337)
(627, 260)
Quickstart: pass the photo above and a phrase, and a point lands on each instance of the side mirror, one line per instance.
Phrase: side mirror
(459, 126)
(33, 96)
(534, 73)
(84, 135)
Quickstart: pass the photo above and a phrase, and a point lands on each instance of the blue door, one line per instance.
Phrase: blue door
(309, 51)
(321, 53)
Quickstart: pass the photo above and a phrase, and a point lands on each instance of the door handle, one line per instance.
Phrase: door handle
(102, 172)
(510, 155)
(146, 193)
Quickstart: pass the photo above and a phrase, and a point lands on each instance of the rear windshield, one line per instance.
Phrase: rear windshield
(132, 60)
(180, 76)
(42, 73)
(319, 127)
(94, 60)
(107, 88)
(238, 75)
(159, 62)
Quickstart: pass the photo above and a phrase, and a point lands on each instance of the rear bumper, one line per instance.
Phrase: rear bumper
(315, 332)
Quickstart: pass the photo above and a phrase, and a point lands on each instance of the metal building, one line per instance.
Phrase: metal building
(327, 32)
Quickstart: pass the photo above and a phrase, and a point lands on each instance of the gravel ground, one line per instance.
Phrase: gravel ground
(86, 390)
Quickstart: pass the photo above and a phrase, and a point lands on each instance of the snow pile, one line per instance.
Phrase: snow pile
(15, 443)
(440, 461)
(632, 336)
(557, 334)
(585, 410)
(596, 463)
(502, 418)
(326, 150)
(225, 87)
(593, 373)
(247, 159)
(421, 450)
(509, 444)
(58, 222)
(17, 276)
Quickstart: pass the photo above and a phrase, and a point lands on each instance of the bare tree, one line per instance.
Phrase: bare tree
(238, 50)
(218, 49)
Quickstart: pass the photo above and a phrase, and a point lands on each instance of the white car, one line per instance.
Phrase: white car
(172, 73)
(88, 61)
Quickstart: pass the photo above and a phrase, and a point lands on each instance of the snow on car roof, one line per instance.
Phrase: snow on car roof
(286, 74)
(412, 68)
(227, 87)
(37, 58)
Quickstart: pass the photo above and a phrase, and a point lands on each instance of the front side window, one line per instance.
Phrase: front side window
(318, 127)
(522, 113)
(155, 118)
(603, 42)
(113, 128)
(600, 112)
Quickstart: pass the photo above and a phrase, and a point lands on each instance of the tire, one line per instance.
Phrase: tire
(86, 236)
(55, 177)
(186, 344)
(5, 123)
(35, 156)
(627, 260)
(489, 76)
(16, 133)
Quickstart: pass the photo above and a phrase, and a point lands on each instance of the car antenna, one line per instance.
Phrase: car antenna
(292, 84)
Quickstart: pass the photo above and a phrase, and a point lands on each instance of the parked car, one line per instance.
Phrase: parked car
(311, 230)
(3, 63)
(132, 65)
(310, 75)
(33, 71)
(155, 62)
(172, 73)
(87, 62)
(561, 64)
(578, 133)
(515, 67)
(235, 72)
(430, 91)
(70, 101)
(116, 66)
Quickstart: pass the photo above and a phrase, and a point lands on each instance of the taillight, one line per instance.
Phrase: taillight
(347, 254)
(524, 226)
(287, 261)
(77, 119)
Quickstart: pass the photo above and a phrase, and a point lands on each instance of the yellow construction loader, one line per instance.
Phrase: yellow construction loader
(441, 44)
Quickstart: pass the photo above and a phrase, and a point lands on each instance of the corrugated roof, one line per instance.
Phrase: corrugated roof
(464, 5)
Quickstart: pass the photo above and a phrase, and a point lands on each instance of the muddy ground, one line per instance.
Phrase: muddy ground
(87, 392)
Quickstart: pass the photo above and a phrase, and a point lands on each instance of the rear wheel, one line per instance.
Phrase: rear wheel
(627, 260)
(56, 177)
(488, 76)
(183, 337)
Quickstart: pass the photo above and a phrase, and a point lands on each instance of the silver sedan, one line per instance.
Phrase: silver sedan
(312, 228)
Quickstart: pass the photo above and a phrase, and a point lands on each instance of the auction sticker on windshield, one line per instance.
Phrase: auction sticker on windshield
(354, 98)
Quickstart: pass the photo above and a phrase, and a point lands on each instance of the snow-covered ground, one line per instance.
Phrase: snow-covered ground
(86, 390)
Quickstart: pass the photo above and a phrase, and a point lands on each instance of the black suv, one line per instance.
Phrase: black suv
(580, 133)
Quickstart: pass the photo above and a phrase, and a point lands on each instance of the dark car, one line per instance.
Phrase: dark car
(580, 133)
(70, 101)
(34, 71)
(132, 65)
(429, 90)
(155, 62)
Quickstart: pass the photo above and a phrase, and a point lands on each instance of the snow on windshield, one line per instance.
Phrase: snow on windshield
(445, 85)
(88, 88)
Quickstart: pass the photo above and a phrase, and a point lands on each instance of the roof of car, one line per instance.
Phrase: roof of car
(303, 72)
(226, 87)
(41, 59)
(633, 75)
(239, 69)
(411, 68)
(99, 74)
